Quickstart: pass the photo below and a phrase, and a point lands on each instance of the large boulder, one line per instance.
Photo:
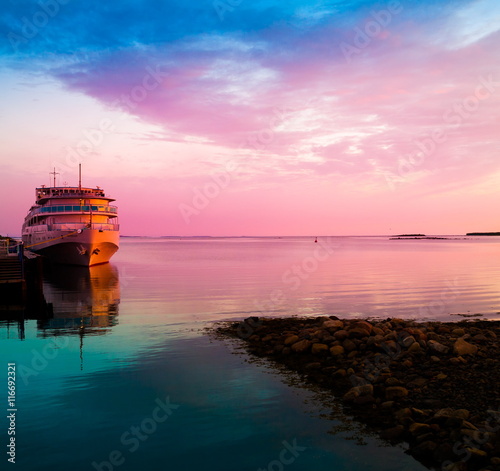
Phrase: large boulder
(462, 347)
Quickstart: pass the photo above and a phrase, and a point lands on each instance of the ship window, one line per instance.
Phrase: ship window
(69, 208)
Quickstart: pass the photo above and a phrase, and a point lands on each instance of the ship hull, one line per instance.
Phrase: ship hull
(88, 248)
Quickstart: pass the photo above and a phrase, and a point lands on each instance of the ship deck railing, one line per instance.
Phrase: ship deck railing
(73, 226)
(58, 226)
(65, 208)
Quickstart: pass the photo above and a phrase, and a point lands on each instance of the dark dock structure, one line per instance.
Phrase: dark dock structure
(21, 276)
(12, 271)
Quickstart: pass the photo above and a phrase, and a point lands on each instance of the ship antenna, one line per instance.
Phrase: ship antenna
(54, 173)
(80, 178)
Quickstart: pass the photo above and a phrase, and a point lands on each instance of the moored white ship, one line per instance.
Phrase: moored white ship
(72, 225)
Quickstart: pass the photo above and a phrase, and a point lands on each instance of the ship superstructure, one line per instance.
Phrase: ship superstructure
(72, 225)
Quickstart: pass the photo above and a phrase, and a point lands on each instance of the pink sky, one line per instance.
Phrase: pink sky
(268, 129)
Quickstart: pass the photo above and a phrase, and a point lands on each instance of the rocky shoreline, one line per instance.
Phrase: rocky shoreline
(433, 385)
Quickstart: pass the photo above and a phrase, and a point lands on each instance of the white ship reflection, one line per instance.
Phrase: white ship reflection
(83, 299)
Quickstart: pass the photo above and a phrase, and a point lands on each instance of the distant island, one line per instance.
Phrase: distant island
(483, 234)
(410, 235)
(421, 237)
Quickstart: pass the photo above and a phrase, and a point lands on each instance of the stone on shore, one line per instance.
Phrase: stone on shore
(462, 347)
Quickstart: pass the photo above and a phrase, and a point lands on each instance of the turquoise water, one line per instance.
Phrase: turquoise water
(124, 377)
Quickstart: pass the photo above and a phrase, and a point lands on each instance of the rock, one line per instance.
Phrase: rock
(337, 350)
(363, 325)
(414, 348)
(403, 414)
(417, 383)
(468, 425)
(452, 413)
(390, 347)
(330, 324)
(291, 339)
(458, 466)
(406, 340)
(480, 338)
(349, 345)
(395, 392)
(357, 391)
(362, 400)
(377, 331)
(358, 333)
(319, 348)
(462, 347)
(392, 381)
(341, 373)
(477, 452)
(437, 347)
(458, 332)
(387, 405)
(301, 346)
(340, 335)
(418, 428)
(417, 413)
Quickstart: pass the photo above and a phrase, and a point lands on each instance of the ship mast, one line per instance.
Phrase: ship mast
(80, 178)
(54, 173)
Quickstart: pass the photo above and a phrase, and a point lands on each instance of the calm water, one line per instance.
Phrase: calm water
(123, 377)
